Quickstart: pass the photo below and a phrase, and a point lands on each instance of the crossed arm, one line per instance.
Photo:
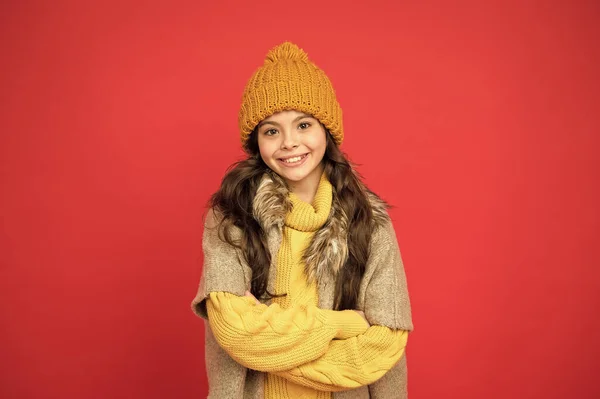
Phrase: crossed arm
(324, 349)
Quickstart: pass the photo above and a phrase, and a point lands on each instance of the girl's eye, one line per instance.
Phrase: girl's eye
(270, 132)
(304, 125)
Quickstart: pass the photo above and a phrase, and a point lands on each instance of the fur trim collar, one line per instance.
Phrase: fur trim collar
(328, 250)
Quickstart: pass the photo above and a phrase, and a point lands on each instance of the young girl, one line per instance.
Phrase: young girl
(303, 285)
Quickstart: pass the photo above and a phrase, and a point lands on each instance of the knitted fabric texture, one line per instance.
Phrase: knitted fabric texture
(300, 225)
(288, 80)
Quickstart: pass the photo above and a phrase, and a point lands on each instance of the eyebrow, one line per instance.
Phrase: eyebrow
(277, 124)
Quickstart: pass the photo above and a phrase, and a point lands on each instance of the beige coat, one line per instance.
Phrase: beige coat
(383, 294)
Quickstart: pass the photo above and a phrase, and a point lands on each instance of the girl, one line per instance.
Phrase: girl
(294, 226)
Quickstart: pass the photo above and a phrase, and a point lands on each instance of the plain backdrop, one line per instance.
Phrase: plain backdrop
(477, 120)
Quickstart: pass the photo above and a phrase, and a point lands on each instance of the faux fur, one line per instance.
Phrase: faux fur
(328, 250)
(271, 202)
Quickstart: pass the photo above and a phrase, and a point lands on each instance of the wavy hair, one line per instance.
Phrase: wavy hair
(233, 201)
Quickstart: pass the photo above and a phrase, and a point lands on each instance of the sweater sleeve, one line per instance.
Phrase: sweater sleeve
(353, 362)
(271, 339)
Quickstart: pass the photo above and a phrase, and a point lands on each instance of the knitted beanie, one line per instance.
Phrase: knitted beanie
(288, 80)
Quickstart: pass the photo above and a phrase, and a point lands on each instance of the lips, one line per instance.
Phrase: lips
(293, 159)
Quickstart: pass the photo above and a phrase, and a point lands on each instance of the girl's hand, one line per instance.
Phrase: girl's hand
(249, 294)
(360, 312)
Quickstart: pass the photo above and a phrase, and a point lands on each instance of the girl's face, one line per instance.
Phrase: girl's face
(293, 144)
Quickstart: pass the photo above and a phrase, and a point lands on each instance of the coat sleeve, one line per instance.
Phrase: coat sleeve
(386, 300)
(221, 369)
(387, 289)
(223, 269)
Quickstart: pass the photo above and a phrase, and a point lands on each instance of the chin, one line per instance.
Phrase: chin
(294, 176)
(295, 179)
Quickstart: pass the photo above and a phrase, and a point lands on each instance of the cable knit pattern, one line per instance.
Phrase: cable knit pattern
(353, 362)
(269, 338)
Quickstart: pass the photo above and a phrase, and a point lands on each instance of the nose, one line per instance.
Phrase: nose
(290, 140)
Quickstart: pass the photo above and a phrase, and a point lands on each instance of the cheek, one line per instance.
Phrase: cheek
(265, 149)
(318, 143)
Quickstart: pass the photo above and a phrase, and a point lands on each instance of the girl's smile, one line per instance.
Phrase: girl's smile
(294, 161)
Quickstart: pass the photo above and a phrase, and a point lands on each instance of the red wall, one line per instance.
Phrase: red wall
(477, 120)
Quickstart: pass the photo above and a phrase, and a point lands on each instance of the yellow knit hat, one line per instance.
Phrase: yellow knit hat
(289, 80)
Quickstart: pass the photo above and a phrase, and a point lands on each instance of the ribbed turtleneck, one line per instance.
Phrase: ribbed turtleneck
(301, 223)
(311, 217)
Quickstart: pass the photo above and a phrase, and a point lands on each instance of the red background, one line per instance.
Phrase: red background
(477, 120)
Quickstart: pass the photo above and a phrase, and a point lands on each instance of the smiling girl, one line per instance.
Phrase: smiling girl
(303, 286)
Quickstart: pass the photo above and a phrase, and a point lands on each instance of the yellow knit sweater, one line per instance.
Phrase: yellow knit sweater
(307, 352)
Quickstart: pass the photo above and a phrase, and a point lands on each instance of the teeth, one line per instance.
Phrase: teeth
(292, 160)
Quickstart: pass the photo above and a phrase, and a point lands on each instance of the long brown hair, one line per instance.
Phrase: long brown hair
(233, 201)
